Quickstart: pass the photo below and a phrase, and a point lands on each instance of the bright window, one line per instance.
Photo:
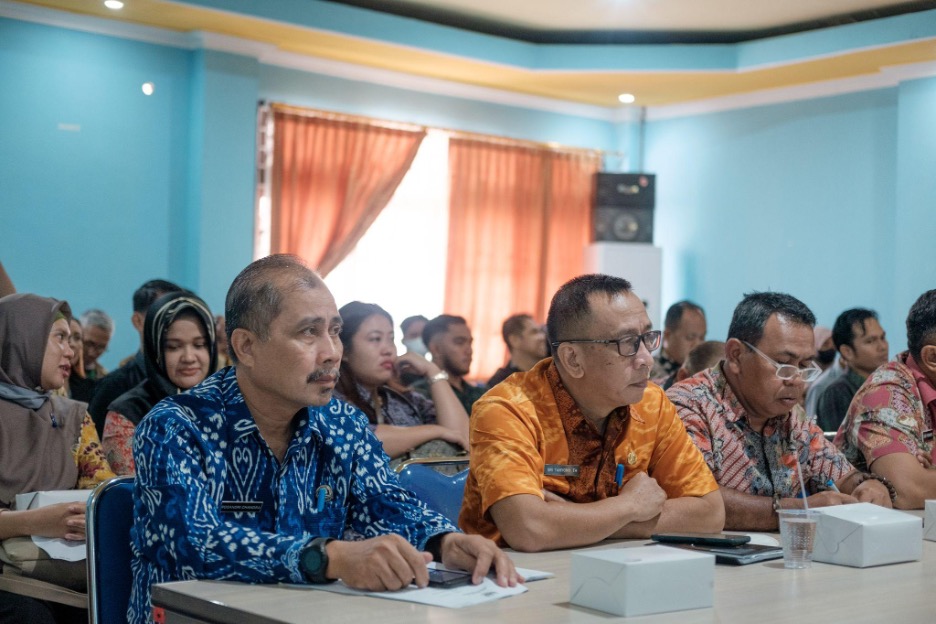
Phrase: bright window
(399, 263)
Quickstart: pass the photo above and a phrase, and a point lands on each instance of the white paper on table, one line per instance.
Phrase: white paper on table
(55, 547)
(450, 597)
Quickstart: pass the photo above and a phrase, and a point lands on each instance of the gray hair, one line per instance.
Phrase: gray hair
(255, 298)
(98, 318)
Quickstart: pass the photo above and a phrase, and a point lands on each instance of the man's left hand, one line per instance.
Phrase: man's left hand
(477, 554)
(872, 491)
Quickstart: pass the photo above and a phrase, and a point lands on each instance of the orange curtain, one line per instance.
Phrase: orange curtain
(519, 222)
(330, 180)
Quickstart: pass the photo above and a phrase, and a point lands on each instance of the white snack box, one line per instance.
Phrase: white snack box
(929, 521)
(642, 580)
(864, 535)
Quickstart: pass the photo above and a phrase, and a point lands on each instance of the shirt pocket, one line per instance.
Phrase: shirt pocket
(328, 521)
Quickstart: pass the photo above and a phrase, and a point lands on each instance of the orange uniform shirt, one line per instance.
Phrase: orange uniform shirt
(527, 431)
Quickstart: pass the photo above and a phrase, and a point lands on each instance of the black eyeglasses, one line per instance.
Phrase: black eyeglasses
(627, 346)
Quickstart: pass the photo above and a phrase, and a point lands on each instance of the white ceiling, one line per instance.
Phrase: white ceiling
(643, 15)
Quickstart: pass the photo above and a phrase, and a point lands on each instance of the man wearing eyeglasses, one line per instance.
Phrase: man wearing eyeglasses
(582, 447)
(745, 415)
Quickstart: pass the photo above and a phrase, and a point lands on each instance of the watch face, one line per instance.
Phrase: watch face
(312, 561)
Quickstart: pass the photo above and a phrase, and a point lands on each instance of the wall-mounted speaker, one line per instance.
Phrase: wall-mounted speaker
(624, 205)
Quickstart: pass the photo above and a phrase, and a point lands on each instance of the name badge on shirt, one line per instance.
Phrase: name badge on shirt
(561, 470)
(241, 506)
(928, 435)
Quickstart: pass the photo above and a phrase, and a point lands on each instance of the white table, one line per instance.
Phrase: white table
(760, 593)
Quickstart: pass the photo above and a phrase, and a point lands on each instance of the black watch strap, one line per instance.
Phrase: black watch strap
(313, 560)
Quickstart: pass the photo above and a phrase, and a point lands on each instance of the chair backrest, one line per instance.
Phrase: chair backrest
(109, 519)
(440, 492)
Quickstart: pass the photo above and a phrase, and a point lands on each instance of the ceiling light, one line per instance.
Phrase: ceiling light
(148, 88)
(626, 98)
(113, 4)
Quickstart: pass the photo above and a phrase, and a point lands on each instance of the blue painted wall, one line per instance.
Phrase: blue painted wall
(140, 187)
(87, 212)
(798, 197)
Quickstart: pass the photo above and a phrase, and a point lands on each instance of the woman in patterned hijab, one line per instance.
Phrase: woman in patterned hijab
(179, 349)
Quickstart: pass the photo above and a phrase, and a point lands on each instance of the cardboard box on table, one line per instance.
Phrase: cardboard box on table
(865, 535)
(642, 580)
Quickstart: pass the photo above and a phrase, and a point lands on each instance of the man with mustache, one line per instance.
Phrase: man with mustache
(745, 416)
(256, 474)
(582, 447)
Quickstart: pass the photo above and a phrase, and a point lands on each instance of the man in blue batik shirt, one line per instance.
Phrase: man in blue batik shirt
(257, 473)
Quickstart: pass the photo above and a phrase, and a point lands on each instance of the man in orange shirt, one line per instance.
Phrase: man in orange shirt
(582, 447)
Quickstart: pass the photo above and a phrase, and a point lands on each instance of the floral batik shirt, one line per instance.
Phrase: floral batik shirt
(893, 412)
(211, 501)
(765, 463)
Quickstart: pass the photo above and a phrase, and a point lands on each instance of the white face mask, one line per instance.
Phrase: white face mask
(416, 345)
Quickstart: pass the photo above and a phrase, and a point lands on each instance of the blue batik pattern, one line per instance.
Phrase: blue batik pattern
(197, 449)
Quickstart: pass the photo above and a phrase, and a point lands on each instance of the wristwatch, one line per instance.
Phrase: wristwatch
(440, 376)
(313, 560)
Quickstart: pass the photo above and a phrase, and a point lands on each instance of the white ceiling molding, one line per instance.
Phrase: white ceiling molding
(410, 82)
(887, 78)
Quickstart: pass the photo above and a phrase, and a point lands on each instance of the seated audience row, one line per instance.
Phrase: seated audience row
(565, 450)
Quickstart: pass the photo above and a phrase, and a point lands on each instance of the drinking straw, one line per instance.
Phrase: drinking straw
(799, 471)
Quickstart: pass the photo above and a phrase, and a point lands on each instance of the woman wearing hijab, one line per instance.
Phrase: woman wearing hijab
(179, 350)
(47, 442)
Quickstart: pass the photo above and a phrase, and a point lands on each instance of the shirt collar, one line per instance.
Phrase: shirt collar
(927, 391)
(569, 411)
(241, 422)
(734, 410)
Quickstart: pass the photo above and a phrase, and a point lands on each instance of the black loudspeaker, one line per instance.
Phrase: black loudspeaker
(624, 207)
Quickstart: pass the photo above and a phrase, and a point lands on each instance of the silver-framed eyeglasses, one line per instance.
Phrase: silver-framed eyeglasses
(788, 372)
(627, 346)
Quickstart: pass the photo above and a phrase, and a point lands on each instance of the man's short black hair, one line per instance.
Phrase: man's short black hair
(409, 320)
(255, 298)
(675, 313)
(921, 324)
(569, 310)
(149, 292)
(513, 326)
(843, 332)
(440, 325)
(750, 316)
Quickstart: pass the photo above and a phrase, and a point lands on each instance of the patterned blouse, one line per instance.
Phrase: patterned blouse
(117, 441)
(742, 459)
(200, 458)
(89, 457)
(893, 412)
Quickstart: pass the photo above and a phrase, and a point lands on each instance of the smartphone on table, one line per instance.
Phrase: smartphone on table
(706, 539)
(448, 578)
